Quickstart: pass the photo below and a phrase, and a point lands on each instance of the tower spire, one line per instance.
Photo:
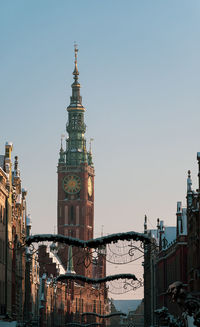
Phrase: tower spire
(76, 151)
(75, 99)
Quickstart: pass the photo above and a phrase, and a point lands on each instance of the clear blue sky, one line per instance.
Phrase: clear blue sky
(139, 64)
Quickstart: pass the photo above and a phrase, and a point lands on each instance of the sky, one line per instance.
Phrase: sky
(140, 74)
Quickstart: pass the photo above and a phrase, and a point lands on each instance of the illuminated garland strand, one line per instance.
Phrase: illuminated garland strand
(95, 280)
(92, 243)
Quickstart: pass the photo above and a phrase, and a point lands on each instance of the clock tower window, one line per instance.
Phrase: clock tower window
(77, 215)
(66, 215)
(72, 216)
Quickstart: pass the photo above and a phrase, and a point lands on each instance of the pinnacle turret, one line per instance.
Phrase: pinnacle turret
(189, 182)
(70, 265)
(90, 162)
(189, 190)
(62, 153)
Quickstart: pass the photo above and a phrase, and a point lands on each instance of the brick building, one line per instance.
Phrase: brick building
(12, 235)
(75, 209)
(3, 203)
(165, 262)
(193, 223)
(76, 180)
(63, 303)
(173, 260)
(18, 236)
(75, 218)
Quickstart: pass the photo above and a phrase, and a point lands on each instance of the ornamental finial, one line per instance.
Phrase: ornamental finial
(16, 169)
(75, 50)
(75, 72)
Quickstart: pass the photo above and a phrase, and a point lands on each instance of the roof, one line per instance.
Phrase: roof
(170, 234)
(57, 261)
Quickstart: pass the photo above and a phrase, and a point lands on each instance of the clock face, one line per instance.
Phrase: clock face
(71, 184)
(90, 186)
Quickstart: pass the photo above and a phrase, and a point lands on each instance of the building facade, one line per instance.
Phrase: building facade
(12, 236)
(165, 261)
(64, 303)
(3, 228)
(176, 257)
(171, 260)
(75, 216)
(193, 225)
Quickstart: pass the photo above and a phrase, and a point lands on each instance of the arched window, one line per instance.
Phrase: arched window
(72, 216)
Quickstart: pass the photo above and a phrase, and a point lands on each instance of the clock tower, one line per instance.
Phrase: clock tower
(75, 207)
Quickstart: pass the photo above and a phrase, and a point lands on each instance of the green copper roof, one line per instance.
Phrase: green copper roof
(76, 153)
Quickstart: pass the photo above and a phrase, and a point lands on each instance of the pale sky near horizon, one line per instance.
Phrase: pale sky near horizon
(140, 74)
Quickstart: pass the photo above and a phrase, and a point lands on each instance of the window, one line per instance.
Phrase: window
(94, 305)
(82, 306)
(77, 215)
(66, 215)
(72, 216)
